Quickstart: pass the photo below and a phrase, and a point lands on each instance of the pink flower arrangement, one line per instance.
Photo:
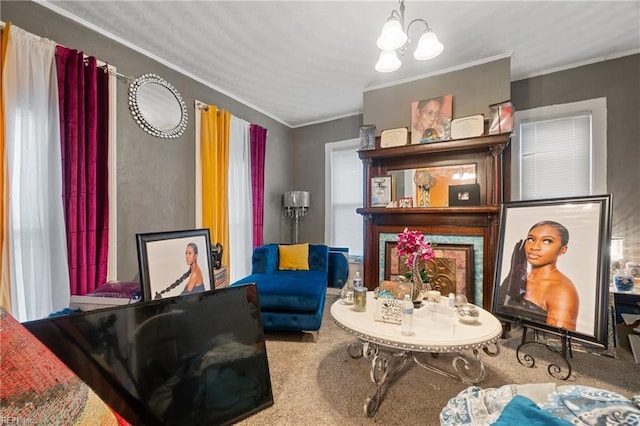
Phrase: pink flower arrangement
(412, 246)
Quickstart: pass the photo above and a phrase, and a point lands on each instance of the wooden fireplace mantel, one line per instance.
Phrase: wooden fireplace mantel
(488, 153)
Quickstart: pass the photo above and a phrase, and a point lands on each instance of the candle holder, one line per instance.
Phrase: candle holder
(360, 298)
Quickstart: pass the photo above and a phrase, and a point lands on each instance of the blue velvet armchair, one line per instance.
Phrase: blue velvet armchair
(289, 299)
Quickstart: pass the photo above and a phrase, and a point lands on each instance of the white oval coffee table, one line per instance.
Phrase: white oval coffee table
(434, 333)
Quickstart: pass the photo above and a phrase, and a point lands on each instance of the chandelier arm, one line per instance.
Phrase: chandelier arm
(418, 20)
(388, 61)
(397, 15)
(405, 46)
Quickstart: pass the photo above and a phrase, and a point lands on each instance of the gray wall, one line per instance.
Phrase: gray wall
(619, 81)
(308, 168)
(473, 90)
(155, 177)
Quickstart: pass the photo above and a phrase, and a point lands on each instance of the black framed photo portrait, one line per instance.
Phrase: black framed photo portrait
(174, 263)
(552, 266)
(464, 195)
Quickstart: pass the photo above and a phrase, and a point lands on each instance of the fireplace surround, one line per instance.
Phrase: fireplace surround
(489, 154)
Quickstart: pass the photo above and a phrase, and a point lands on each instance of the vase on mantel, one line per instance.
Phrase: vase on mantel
(419, 288)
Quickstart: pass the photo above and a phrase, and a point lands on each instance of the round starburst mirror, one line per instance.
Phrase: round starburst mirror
(157, 106)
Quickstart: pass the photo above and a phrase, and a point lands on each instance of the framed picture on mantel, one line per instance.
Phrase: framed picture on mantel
(381, 191)
(394, 137)
(431, 119)
(368, 137)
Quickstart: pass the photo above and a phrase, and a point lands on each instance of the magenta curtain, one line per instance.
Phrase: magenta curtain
(258, 145)
(84, 118)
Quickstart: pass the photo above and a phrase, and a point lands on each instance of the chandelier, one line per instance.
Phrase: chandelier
(394, 38)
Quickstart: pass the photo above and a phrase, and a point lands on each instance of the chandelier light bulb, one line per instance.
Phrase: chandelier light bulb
(388, 61)
(392, 35)
(428, 46)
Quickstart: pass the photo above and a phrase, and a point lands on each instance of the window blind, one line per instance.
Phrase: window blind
(346, 196)
(556, 157)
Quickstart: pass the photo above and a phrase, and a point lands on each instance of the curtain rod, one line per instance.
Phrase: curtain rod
(203, 106)
(126, 78)
(123, 77)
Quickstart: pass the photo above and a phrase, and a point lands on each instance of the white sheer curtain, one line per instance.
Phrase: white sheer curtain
(38, 260)
(240, 209)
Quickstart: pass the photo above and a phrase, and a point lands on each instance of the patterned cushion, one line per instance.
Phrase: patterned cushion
(575, 404)
(593, 406)
(37, 388)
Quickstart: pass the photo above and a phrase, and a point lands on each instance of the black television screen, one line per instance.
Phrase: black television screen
(193, 359)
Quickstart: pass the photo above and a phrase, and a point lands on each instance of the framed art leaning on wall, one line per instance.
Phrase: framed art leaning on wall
(174, 263)
(552, 269)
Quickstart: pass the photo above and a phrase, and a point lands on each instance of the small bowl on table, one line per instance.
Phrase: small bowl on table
(468, 313)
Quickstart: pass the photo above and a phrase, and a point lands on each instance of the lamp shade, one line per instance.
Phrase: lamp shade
(296, 199)
(428, 46)
(388, 61)
(392, 36)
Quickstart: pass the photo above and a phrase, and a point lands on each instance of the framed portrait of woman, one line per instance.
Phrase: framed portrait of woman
(174, 263)
(552, 268)
(431, 119)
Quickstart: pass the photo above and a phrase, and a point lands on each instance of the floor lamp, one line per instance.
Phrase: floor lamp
(296, 204)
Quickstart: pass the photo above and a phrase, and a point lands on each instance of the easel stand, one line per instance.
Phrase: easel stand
(554, 370)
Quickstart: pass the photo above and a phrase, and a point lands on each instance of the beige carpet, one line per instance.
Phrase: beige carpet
(320, 384)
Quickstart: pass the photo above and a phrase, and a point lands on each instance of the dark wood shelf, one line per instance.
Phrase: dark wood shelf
(487, 153)
(429, 210)
(480, 143)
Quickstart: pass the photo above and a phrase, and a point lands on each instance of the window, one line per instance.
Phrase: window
(343, 171)
(560, 151)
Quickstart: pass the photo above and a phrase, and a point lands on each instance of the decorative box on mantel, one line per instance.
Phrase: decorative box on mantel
(491, 157)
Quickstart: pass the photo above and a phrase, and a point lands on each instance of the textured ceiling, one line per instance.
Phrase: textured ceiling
(302, 62)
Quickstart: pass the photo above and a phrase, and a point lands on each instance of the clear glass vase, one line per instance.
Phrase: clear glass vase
(419, 287)
(346, 294)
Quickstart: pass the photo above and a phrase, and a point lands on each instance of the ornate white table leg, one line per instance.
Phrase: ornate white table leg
(385, 367)
(466, 364)
(492, 349)
(463, 365)
(355, 350)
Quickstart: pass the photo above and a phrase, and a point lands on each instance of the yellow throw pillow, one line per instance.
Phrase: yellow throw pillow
(294, 257)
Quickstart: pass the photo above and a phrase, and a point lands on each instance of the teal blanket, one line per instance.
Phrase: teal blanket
(540, 403)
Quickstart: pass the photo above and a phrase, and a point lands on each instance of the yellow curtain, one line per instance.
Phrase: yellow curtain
(214, 146)
(5, 283)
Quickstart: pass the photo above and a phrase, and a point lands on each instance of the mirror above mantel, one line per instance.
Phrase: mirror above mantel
(441, 178)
